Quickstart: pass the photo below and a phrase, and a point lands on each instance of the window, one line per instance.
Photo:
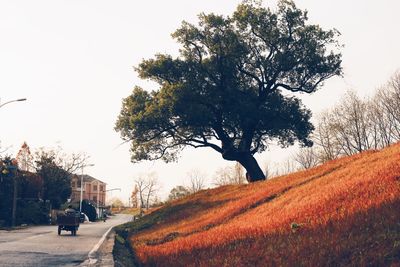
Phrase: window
(79, 183)
(95, 198)
(101, 188)
(95, 188)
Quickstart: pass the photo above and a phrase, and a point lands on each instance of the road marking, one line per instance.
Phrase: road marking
(35, 236)
(40, 234)
(92, 253)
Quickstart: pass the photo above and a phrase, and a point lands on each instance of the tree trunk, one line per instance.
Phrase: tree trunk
(14, 203)
(253, 170)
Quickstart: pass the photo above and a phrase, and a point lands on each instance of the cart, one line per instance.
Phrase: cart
(68, 222)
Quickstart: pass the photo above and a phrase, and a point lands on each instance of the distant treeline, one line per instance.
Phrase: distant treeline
(355, 125)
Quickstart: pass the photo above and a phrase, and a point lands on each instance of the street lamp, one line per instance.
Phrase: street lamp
(15, 193)
(16, 100)
(119, 189)
(80, 202)
(114, 189)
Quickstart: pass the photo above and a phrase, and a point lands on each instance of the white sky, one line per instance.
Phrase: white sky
(74, 59)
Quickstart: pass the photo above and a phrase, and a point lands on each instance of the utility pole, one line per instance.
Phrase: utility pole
(82, 185)
(15, 195)
(98, 200)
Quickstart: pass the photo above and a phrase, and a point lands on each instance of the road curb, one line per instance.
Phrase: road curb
(101, 254)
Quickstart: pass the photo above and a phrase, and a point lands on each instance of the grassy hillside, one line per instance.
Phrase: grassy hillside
(345, 212)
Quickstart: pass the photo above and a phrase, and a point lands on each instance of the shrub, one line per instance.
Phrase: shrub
(89, 210)
(31, 212)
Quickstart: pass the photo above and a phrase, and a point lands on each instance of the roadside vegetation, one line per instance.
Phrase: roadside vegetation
(130, 211)
(31, 185)
(344, 212)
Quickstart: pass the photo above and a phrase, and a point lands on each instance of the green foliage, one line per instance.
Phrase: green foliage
(130, 211)
(226, 90)
(7, 173)
(31, 212)
(117, 203)
(56, 181)
(30, 185)
(178, 192)
(123, 253)
(119, 239)
(89, 210)
(156, 217)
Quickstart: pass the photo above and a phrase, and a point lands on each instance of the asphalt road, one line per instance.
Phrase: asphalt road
(41, 246)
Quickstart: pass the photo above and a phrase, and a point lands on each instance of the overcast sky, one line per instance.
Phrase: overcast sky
(73, 60)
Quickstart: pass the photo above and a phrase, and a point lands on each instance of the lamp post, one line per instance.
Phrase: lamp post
(98, 198)
(119, 189)
(16, 100)
(15, 195)
(80, 202)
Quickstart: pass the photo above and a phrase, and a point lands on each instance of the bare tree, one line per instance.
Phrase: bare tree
(153, 187)
(75, 161)
(3, 149)
(387, 110)
(25, 158)
(286, 167)
(230, 175)
(346, 129)
(239, 174)
(71, 163)
(393, 103)
(134, 197)
(222, 176)
(306, 157)
(141, 185)
(269, 169)
(351, 125)
(147, 187)
(196, 180)
(359, 124)
(325, 138)
(381, 126)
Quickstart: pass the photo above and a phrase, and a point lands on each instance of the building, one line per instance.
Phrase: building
(93, 189)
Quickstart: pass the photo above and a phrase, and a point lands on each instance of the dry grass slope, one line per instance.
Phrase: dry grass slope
(345, 212)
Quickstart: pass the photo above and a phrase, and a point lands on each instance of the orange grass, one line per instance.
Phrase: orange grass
(345, 212)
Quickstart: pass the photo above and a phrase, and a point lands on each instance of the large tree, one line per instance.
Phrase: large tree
(56, 180)
(231, 87)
